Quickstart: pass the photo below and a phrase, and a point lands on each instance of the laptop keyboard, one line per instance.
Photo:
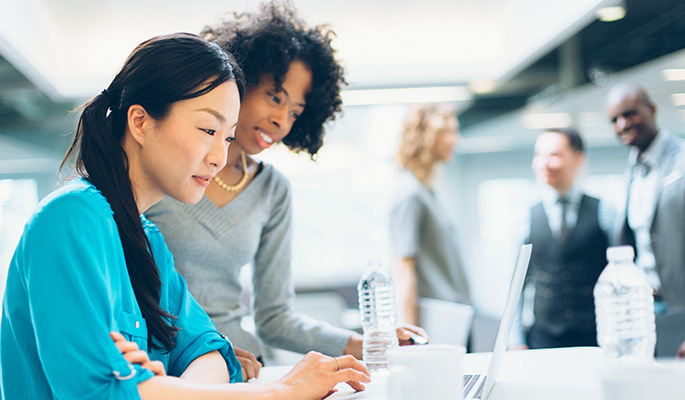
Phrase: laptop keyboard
(469, 381)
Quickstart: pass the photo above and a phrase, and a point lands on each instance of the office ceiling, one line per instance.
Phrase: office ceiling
(650, 29)
(531, 49)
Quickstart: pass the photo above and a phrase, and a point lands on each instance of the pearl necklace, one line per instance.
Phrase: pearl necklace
(239, 185)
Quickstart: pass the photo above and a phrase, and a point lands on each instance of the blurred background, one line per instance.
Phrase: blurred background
(512, 67)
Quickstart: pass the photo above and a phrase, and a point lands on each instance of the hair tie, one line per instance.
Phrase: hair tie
(109, 97)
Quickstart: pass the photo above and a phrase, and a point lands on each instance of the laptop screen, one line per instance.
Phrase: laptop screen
(515, 289)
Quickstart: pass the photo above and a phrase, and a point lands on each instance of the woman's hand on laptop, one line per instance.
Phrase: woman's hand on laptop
(316, 376)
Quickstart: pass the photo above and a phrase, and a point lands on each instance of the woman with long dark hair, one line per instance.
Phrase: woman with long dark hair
(93, 306)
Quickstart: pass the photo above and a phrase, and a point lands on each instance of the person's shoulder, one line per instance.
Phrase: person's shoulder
(275, 176)
(409, 193)
(167, 205)
(594, 203)
(672, 142)
(273, 182)
(148, 225)
(536, 205)
(591, 197)
(672, 136)
(680, 144)
(76, 205)
(154, 235)
(675, 147)
(405, 183)
(75, 197)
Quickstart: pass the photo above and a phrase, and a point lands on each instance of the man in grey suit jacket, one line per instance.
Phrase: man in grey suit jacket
(654, 219)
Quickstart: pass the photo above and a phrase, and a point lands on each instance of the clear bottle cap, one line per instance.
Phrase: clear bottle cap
(620, 253)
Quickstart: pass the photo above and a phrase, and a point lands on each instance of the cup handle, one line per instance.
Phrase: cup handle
(401, 383)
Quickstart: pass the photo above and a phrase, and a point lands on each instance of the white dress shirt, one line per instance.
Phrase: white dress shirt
(641, 203)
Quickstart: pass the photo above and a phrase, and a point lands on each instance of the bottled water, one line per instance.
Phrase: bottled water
(624, 308)
(379, 317)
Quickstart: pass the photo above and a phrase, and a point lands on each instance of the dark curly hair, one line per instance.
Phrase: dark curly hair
(267, 43)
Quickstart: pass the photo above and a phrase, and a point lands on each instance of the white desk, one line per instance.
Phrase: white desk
(568, 373)
(560, 374)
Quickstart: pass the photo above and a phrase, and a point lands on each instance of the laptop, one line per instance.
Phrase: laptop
(477, 386)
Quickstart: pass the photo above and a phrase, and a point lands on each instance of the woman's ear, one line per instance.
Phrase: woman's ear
(138, 121)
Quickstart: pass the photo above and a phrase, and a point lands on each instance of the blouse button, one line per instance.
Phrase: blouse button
(137, 324)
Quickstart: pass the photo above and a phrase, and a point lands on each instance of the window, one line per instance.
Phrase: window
(18, 198)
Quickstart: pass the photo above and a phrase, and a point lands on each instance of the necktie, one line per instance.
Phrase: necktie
(563, 231)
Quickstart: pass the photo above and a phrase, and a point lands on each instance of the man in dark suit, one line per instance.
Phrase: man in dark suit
(654, 219)
(568, 230)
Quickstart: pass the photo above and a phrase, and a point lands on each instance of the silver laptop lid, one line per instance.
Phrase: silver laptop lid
(515, 288)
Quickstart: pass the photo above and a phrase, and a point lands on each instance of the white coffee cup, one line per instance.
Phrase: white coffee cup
(429, 371)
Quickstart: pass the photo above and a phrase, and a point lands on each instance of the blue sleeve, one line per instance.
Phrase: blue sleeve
(197, 334)
(72, 268)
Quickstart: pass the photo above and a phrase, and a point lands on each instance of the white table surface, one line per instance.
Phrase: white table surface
(560, 374)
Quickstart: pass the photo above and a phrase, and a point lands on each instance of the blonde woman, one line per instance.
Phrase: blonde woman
(423, 242)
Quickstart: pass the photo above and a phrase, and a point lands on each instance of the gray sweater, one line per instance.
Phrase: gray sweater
(210, 245)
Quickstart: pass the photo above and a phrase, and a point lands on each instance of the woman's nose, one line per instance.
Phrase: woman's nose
(280, 117)
(218, 153)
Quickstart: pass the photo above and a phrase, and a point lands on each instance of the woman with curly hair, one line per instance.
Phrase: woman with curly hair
(423, 242)
(293, 88)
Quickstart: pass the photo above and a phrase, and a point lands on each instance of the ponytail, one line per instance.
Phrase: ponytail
(158, 73)
(107, 170)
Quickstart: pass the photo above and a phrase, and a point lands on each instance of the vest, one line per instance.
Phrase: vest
(565, 275)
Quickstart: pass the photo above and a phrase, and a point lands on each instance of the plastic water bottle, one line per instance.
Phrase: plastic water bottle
(379, 317)
(624, 308)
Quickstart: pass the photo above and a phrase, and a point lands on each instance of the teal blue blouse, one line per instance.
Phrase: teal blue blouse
(68, 287)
